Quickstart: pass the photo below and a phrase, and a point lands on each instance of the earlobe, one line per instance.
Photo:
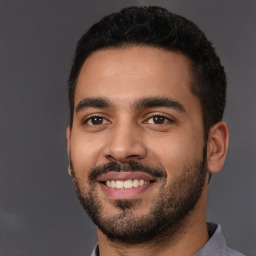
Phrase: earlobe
(217, 147)
(68, 135)
(69, 171)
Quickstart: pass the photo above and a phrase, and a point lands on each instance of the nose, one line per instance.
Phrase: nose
(125, 143)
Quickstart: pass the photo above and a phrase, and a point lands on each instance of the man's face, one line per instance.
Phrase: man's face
(136, 145)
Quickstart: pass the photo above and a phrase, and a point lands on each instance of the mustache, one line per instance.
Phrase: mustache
(129, 166)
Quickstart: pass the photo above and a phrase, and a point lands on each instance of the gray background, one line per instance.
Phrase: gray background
(39, 212)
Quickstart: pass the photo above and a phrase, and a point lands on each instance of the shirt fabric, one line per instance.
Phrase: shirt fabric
(216, 246)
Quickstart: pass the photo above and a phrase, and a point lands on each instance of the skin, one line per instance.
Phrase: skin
(123, 77)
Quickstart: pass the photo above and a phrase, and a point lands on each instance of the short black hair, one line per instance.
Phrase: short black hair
(157, 27)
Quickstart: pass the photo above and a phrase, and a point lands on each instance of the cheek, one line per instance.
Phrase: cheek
(85, 152)
(174, 153)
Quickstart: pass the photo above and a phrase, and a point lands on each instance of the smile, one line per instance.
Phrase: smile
(127, 184)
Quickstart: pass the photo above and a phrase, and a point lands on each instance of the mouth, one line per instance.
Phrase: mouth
(125, 185)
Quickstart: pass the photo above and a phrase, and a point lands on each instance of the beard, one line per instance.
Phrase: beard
(168, 210)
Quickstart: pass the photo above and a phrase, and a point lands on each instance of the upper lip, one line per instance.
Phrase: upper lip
(125, 176)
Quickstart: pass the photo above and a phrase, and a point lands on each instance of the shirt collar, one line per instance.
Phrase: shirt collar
(215, 246)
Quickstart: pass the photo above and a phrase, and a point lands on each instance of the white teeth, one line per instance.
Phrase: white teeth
(113, 184)
(127, 183)
(141, 182)
(119, 184)
(135, 183)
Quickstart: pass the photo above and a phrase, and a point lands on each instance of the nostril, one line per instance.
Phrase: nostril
(110, 158)
(123, 149)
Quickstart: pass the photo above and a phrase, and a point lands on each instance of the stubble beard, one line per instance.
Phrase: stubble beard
(165, 217)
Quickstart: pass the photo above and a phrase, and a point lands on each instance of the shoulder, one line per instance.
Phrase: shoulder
(231, 252)
(217, 244)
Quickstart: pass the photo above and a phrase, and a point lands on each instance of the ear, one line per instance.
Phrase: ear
(217, 147)
(68, 136)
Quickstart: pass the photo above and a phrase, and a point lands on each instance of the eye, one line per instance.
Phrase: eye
(158, 119)
(96, 120)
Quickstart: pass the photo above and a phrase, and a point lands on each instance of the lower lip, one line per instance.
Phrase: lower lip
(124, 193)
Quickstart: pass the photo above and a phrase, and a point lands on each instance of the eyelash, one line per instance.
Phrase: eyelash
(91, 118)
(166, 120)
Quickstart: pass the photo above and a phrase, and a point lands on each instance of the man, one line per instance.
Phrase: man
(147, 95)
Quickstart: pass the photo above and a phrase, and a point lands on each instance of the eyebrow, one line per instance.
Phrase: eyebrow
(150, 102)
(93, 103)
(159, 102)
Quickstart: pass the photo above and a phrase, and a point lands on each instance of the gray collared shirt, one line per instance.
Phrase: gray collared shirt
(215, 246)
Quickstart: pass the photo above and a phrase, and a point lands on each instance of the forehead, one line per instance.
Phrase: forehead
(126, 74)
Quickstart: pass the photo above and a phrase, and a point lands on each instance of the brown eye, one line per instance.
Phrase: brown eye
(158, 120)
(96, 120)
